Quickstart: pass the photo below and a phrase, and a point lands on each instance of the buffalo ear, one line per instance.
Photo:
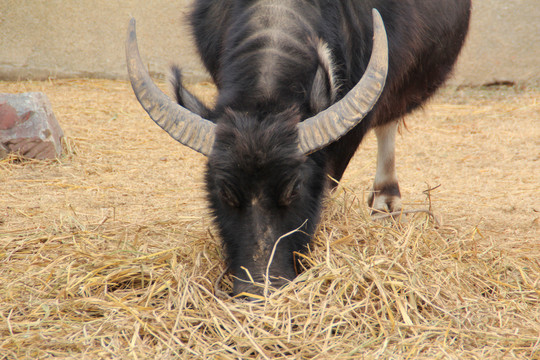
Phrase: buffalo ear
(184, 98)
(324, 88)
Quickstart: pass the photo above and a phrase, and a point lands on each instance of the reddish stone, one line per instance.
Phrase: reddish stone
(8, 116)
(28, 126)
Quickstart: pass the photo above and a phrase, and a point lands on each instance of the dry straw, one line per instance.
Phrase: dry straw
(371, 289)
(80, 282)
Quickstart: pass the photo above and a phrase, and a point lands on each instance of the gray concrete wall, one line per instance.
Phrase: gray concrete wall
(503, 43)
(78, 38)
(85, 38)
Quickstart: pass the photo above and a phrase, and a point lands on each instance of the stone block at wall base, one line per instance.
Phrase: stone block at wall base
(28, 126)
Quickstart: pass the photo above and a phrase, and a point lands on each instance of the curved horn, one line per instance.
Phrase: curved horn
(181, 124)
(331, 124)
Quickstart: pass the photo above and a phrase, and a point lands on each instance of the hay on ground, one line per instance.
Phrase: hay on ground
(109, 252)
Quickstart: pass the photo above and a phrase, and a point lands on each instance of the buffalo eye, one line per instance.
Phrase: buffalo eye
(229, 196)
(290, 193)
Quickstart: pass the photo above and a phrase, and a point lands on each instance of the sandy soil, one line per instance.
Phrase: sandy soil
(479, 146)
(109, 251)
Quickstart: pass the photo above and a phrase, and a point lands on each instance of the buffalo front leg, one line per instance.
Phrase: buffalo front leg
(385, 195)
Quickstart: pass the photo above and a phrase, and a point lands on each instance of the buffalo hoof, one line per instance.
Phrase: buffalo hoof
(385, 199)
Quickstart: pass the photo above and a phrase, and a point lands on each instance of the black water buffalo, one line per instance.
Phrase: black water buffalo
(300, 83)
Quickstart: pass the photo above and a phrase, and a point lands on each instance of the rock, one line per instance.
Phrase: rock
(3, 151)
(28, 126)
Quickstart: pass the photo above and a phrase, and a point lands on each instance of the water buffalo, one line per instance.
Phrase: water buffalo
(300, 82)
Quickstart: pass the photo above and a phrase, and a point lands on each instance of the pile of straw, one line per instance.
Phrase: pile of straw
(91, 267)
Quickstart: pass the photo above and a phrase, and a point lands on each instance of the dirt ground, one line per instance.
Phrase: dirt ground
(479, 147)
(109, 252)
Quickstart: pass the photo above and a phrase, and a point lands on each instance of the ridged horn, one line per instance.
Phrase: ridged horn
(331, 124)
(181, 124)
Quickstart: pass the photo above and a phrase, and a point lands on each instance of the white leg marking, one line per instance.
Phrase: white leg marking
(386, 196)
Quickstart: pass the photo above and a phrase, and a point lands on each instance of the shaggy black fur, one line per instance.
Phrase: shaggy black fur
(276, 62)
(260, 187)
